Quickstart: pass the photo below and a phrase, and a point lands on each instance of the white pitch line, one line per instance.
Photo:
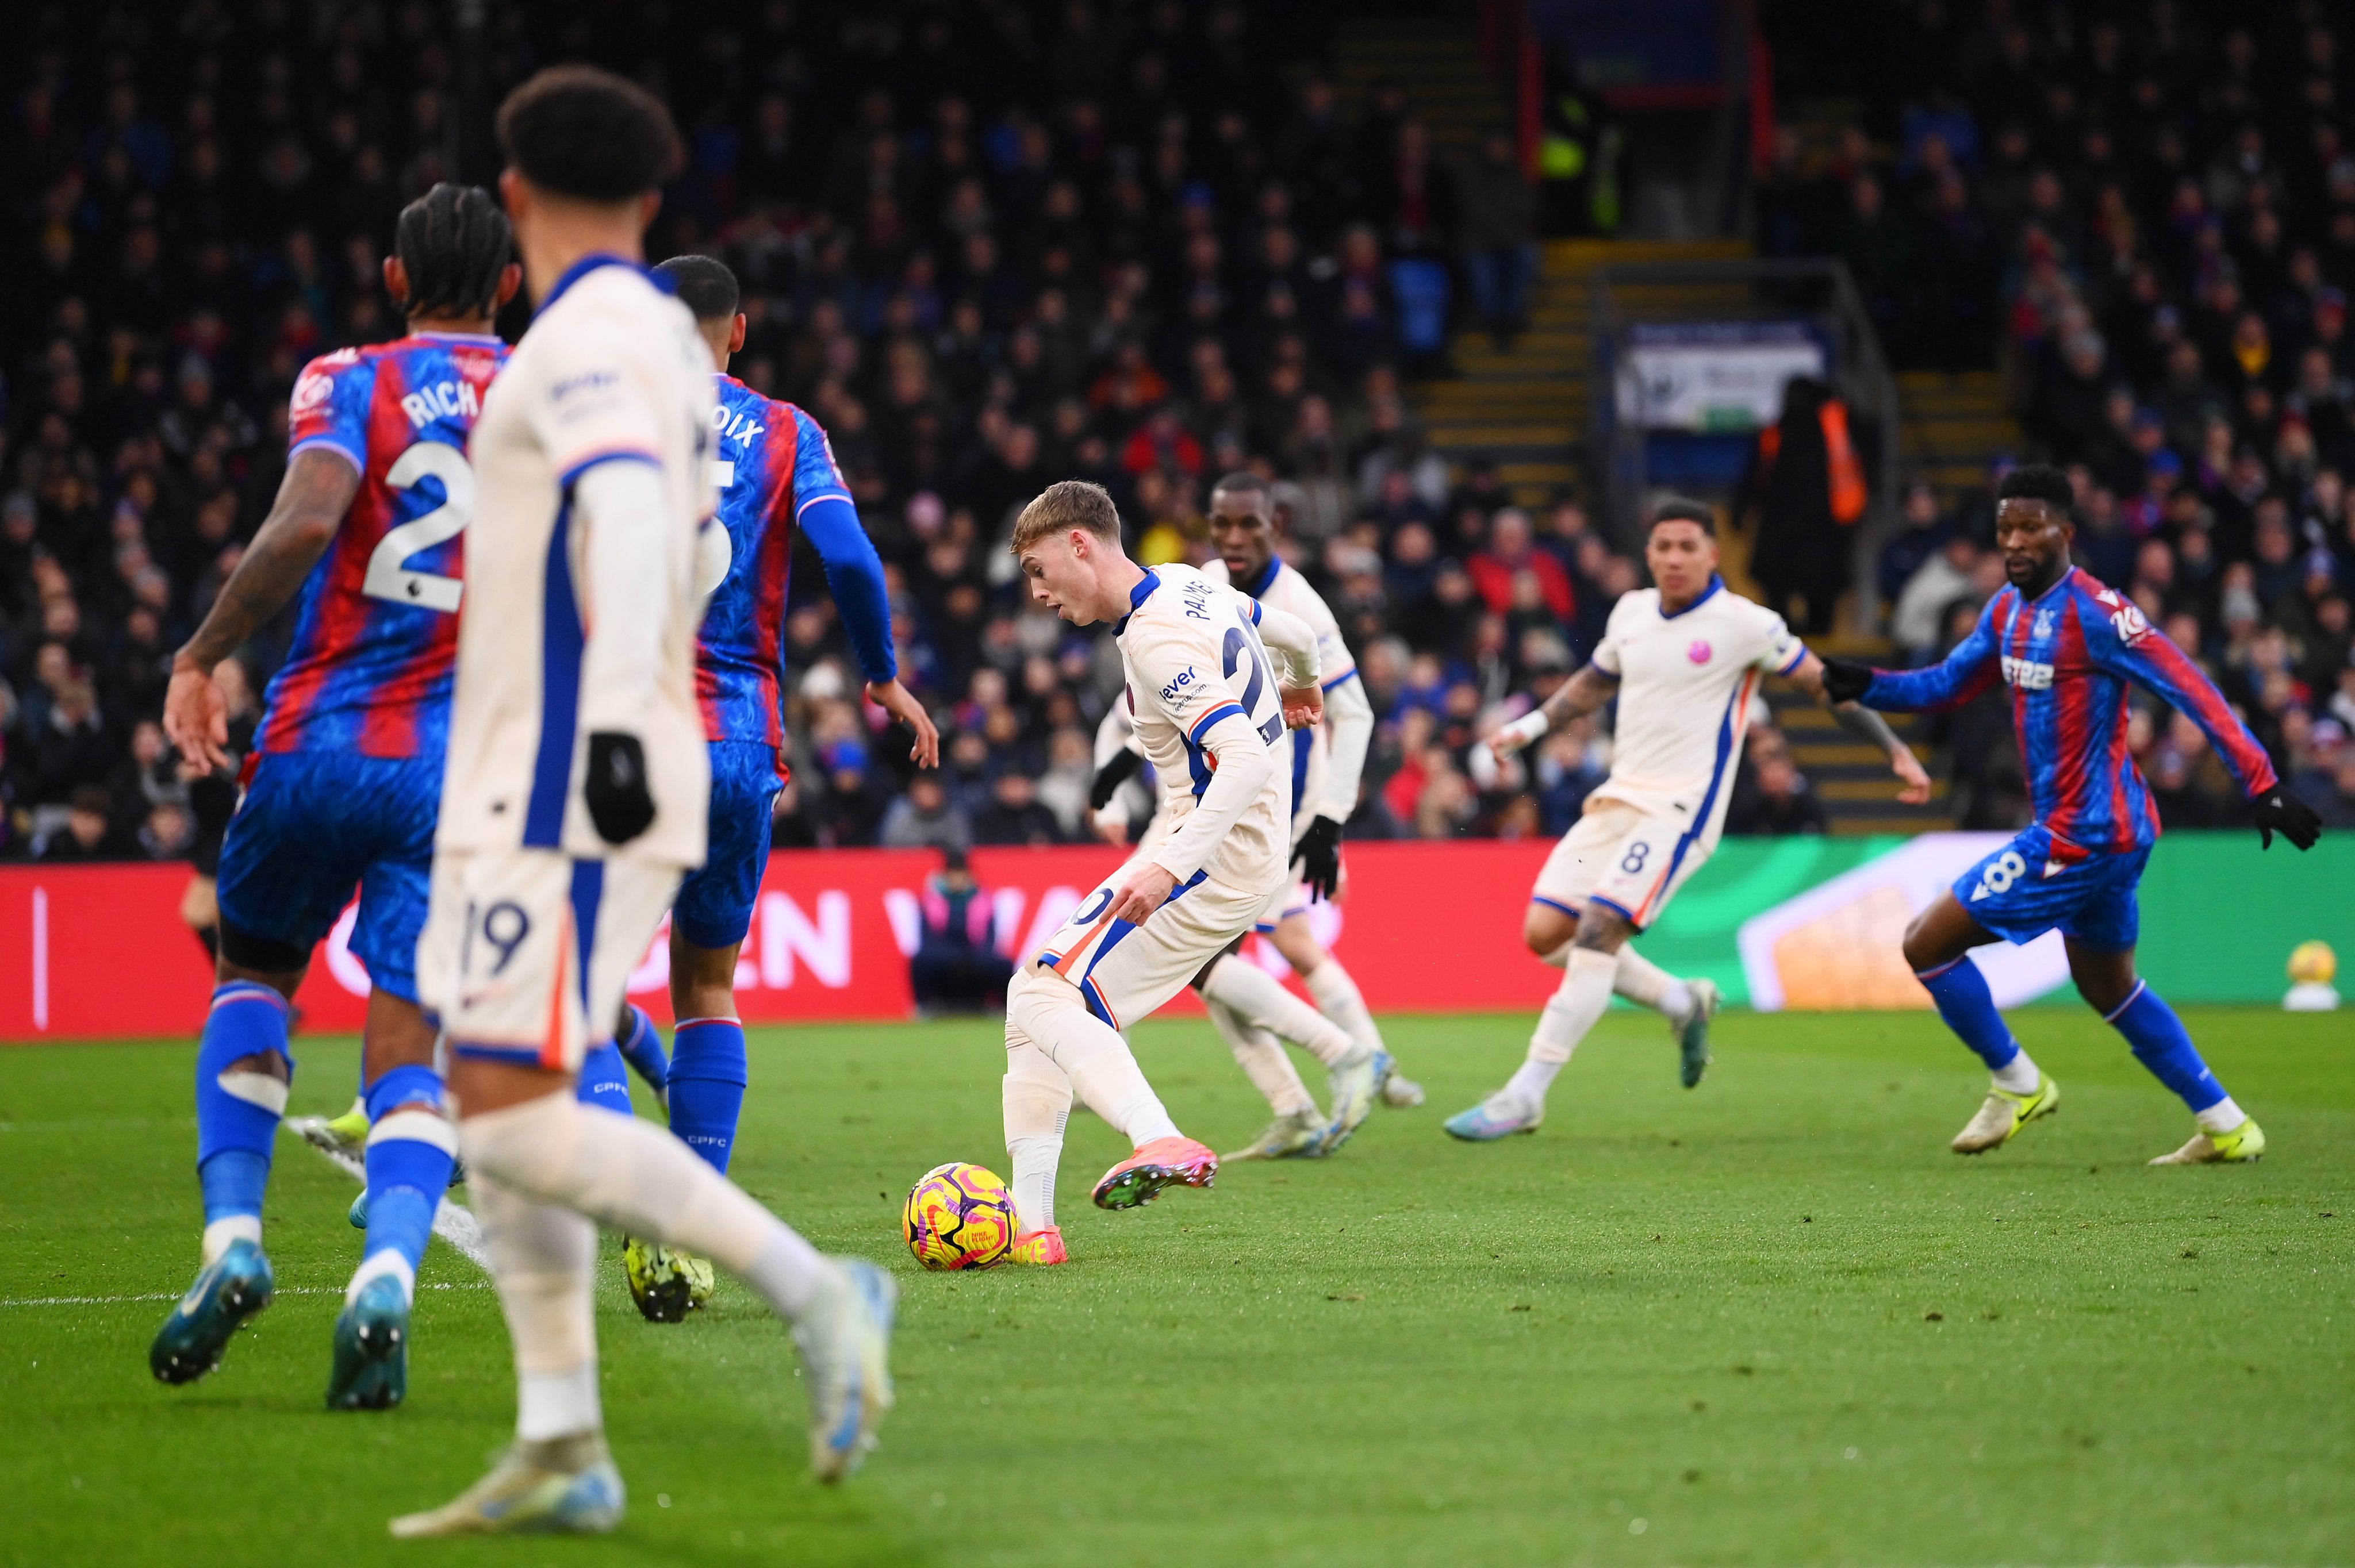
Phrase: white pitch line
(173, 1296)
(454, 1223)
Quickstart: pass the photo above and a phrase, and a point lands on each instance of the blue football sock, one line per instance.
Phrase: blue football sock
(410, 1155)
(1960, 990)
(2162, 1045)
(707, 1085)
(605, 1081)
(641, 1046)
(236, 1122)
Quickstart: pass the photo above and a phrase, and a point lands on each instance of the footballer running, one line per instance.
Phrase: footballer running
(2068, 646)
(1684, 659)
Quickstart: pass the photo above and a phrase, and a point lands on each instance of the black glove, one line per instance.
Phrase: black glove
(1845, 680)
(1112, 775)
(615, 787)
(2280, 811)
(1318, 855)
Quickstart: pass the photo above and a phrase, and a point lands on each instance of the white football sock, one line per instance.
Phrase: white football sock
(1037, 1096)
(1262, 1059)
(1260, 999)
(1047, 1009)
(2019, 1075)
(383, 1262)
(2222, 1117)
(636, 1177)
(1339, 999)
(541, 1257)
(1647, 984)
(230, 1228)
(1569, 1014)
(1640, 981)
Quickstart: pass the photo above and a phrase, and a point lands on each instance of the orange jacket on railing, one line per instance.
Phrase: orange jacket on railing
(1846, 474)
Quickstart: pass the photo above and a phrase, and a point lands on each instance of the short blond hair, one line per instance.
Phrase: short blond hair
(1064, 505)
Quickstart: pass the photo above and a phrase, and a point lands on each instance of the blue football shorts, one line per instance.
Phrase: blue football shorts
(2023, 891)
(311, 826)
(715, 903)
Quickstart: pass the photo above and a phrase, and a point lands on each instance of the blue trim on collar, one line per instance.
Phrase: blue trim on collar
(1267, 578)
(591, 262)
(1137, 596)
(1703, 598)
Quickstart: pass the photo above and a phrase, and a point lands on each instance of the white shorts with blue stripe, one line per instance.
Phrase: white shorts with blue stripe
(1628, 861)
(1125, 973)
(528, 953)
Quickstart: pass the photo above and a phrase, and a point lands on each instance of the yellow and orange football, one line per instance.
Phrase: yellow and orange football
(958, 1217)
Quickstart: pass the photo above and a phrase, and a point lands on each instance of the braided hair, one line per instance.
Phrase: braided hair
(454, 242)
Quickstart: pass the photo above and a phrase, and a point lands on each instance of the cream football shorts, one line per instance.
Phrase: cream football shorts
(526, 953)
(1624, 859)
(1123, 972)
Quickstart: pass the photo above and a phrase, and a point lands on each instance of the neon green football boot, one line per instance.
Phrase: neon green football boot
(665, 1283)
(2244, 1145)
(2004, 1114)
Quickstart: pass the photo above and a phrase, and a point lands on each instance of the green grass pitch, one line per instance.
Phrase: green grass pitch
(1771, 1321)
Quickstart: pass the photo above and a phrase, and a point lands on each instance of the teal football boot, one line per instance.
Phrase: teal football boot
(231, 1288)
(1499, 1116)
(371, 1348)
(1692, 1034)
(844, 1339)
(565, 1486)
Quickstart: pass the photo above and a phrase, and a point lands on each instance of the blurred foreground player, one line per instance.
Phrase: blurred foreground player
(776, 478)
(1212, 716)
(343, 781)
(1684, 659)
(2067, 647)
(573, 800)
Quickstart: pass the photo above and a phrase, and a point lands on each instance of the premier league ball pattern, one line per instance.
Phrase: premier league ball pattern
(958, 1217)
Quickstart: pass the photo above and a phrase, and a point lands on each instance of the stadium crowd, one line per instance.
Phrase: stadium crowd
(2146, 217)
(986, 247)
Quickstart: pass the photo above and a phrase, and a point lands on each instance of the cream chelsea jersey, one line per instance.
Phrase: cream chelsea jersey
(611, 371)
(1310, 757)
(1194, 663)
(1686, 682)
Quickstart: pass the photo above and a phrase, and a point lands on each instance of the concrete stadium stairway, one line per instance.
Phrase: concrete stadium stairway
(1436, 57)
(1525, 408)
(1952, 428)
(1849, 776)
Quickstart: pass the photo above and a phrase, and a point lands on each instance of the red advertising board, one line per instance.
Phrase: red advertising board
(99, 952)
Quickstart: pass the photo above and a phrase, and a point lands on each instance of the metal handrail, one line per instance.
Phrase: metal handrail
(1860, 374)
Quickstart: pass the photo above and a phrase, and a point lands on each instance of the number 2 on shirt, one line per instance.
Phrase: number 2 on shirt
(388, 577)
(1237, 648)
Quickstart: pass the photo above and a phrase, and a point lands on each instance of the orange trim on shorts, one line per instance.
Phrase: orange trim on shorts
(552, 1047)
(1063, 967)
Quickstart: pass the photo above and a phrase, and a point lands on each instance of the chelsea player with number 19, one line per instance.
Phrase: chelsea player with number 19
(776, 477)
(344, 782)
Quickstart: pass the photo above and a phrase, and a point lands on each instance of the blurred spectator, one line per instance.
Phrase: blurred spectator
(87, 831)
(925, 817)
(1500, 259)
(1776, 800)
(1807, 486)
(1015, 815)
(957, 967)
